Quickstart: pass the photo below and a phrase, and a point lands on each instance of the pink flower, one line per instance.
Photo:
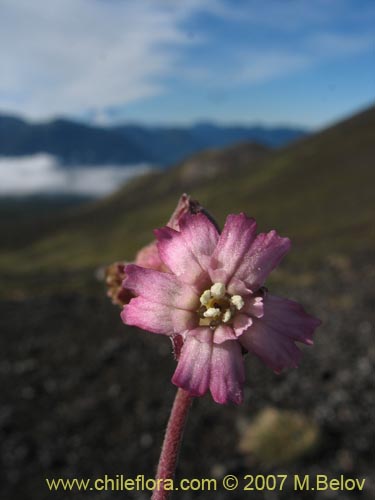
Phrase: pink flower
(148, 256)
(212, 297)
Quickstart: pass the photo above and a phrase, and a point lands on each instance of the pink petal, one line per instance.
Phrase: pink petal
(241, 323)
(254, 306)
(183, 206)
(272, 337)
(224, 333)
(237, 287)
(157, 318)
(202, 333)
(264, 255)
(227, 373)
(276, 351)
(188, 251)
(200, 235)
(289, 318)
(235, 240)
(162, 288)
(193, 369)
(149, 257)
(177, 255)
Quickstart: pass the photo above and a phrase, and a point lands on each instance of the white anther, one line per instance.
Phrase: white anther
(237, 301)
(212, 312)
(205, 297)
(227, 316)
(218, 290)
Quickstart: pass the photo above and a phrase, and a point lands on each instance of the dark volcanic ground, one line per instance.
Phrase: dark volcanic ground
(84, 396)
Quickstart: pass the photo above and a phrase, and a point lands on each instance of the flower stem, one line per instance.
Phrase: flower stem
(171, 444)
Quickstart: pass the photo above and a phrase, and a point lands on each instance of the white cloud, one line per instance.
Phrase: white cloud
(67, 56)
(266, 64)
(42, 174)
(263, 66)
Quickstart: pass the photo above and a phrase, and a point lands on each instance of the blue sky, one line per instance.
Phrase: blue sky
(305, 62)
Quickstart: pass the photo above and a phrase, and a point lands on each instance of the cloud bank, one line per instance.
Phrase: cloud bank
(42, 174)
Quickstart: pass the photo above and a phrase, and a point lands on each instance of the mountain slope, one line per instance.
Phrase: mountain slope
(319, 192)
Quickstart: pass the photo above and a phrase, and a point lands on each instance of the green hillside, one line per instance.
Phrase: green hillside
(318, 191)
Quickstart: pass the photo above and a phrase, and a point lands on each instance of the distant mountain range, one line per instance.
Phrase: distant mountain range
(76, 143)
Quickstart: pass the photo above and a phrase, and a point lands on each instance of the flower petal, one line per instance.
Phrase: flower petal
(157, 318)
(149, 257)
(183, 206)
(227, 373)
(177, 255)
(200, 235)
(202, 333)
(289, 318)
(223, 333)
(238, 287)
(238, 234)
(162, 288)
(241, 323)
(187, 252)
(275, 350)
(264, 255)
(193, 368)
(272, 337)
(254, 306)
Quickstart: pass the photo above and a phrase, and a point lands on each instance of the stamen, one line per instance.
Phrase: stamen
(218, 290)
(237, 301)
(227, 316)
(205, 297)
(217, 306)
(212, 312)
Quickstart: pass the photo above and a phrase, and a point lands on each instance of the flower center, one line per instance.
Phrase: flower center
(217, 306)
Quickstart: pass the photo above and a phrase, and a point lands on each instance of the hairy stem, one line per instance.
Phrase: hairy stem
(171, 444)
